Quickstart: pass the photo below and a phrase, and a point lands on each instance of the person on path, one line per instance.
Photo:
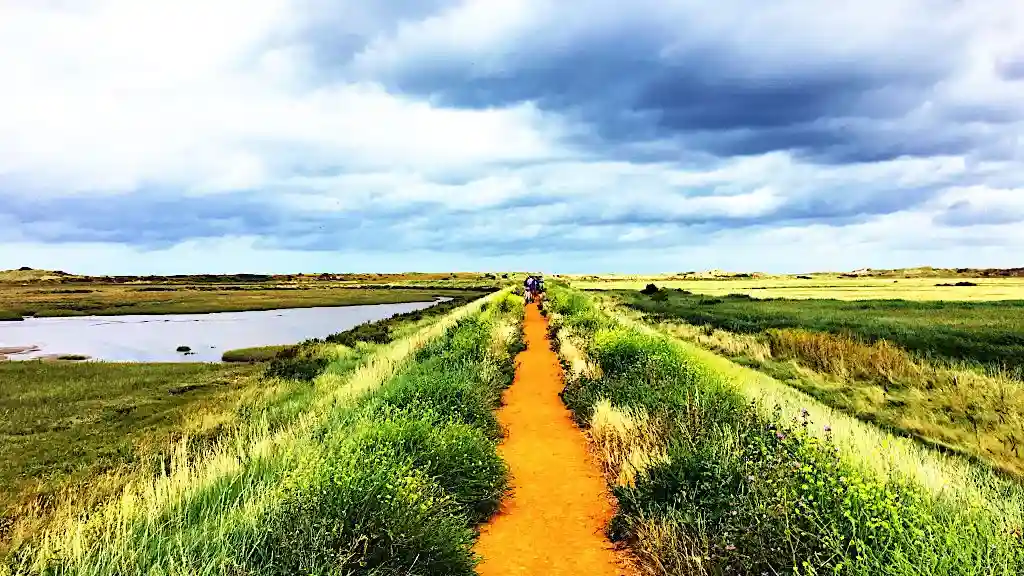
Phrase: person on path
(538, 288)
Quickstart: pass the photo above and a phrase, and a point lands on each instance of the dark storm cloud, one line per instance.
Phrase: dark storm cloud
(627, 86)
(158, 220)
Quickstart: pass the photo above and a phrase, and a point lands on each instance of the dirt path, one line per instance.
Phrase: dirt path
(554, 522)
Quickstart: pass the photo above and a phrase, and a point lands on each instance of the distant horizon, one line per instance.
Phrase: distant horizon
(521, 271)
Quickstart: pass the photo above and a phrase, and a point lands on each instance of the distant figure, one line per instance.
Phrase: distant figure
(528, 287)
(534, 288)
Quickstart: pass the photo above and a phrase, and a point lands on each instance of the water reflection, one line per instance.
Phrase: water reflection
(156, 338)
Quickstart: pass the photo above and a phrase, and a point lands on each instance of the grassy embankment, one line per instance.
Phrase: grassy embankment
(212, 442)
(720, 469)
(948, 373)
(380, 332)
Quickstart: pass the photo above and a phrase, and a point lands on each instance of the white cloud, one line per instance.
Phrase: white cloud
(188, 97)
(116, 95)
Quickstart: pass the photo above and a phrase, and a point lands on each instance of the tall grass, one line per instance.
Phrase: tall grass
(752, 477)
(276, 500)
(987, 334)
(952, 405)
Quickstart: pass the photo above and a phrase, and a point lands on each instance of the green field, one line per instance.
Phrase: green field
(64, 424)
(120, 299)
(417, 403)
(986, 333)
(947, 373)
(824, 286)
(719, 469)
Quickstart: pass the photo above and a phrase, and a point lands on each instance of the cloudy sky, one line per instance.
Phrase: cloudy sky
(165, 136)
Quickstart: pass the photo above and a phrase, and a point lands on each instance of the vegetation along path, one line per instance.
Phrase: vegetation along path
(554, 521)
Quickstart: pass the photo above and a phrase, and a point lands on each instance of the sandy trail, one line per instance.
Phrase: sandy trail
(554, 522)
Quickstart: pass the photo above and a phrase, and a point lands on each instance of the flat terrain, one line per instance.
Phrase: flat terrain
(990, 333)
(323, 477)
(18, 300)
(834, 287)
(62, 424)
(949, 373)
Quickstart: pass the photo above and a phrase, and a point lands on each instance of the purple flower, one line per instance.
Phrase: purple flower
(828, 428)
(780, 435)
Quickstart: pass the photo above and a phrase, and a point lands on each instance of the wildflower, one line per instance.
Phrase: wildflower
(730, 547)
(828, 428)
(780, 435)
(804, 412)
(750, 478)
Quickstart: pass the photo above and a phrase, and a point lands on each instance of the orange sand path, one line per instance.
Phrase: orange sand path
(553, 523)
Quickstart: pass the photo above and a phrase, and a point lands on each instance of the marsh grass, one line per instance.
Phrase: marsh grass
(116, 299)
(203, 511)
(760, 478)
(948, 404)
(255, 354)
(68, 425)
(986, 334)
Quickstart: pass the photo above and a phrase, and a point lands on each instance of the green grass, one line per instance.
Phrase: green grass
(732, 475)
(294, 490)
(830, 286)
(81, 432)
(63, 424)
(107, 299)
(256, 354)
(850, 357)
(986, 333)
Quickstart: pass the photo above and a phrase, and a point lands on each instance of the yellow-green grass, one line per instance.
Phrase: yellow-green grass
(142, 411)
(757, 477)
(65, 425)
(831, 287)
(17, 300)
(206, 495)
(944, 372)
(255, 354)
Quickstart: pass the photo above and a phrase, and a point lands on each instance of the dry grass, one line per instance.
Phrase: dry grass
(952, 406)
(576, 362)
(664, 548)
(844, 356)
(629, 442)
(972, 410)
(728, 343)
(830, 287)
